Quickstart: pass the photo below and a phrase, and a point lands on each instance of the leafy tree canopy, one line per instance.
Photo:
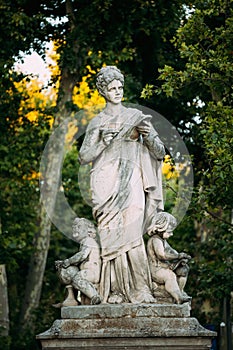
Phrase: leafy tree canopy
(203, 83)
(204, 43)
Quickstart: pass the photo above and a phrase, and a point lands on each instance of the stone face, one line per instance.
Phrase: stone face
(127, 326)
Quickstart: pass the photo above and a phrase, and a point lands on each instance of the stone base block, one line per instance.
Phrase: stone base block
(128, 344)
(126, 326)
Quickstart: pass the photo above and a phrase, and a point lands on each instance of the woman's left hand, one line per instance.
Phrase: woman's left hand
(144, 128)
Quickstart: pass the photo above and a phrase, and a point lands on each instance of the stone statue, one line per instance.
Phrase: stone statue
(126, 155)
(82, 270)
(126, 186)
(167, 266)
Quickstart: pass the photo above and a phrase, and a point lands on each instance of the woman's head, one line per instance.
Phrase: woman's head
(161, 223)
(106, 75)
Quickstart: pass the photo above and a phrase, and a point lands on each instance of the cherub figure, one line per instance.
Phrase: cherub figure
(167, 266)
(82, 270)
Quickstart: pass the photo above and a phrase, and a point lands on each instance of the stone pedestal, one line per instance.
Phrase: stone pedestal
(126, 326)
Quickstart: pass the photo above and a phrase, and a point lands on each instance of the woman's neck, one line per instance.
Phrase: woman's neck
(113, 109)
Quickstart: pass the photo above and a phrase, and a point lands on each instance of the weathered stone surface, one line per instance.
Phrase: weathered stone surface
(130, 344)
(127, 326)
(125, 310)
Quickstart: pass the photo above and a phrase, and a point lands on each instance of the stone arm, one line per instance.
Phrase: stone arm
(77, 258)
(93, 144)
(167, 255)
(154, 144)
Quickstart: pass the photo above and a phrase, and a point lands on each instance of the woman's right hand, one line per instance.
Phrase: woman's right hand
(108, 136)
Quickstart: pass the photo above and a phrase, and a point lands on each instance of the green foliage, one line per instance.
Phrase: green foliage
(218, 140)
(136, 36)
(5, 342)
(204, 84)
(21, 146)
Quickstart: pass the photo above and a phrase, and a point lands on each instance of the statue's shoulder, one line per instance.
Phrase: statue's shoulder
(137, 113)
(91, 242)
(95, 121)
(158, 240)
(133, 111)
(155, 238)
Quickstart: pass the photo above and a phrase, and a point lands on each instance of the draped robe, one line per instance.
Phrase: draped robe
(126, 192)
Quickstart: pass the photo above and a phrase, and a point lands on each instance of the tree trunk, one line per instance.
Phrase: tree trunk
(52, 175)
(4, 309)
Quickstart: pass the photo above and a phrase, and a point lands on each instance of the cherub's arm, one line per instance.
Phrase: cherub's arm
(161, 253)
(78, 257)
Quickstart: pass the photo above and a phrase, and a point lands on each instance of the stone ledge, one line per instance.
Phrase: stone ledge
(126, 327)
(125, 310)
(129, 344)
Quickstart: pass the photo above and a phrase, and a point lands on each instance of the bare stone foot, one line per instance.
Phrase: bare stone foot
(115, 299)
(148, 298)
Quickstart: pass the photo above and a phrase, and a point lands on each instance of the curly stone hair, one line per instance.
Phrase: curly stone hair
(160, 223)
(106, 75)
(80, 224)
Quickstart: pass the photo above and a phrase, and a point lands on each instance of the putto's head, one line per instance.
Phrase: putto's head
(83, 228)
(161, 223)
(105, 76)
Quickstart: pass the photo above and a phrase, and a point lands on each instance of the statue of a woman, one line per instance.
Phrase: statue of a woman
(126, 155)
